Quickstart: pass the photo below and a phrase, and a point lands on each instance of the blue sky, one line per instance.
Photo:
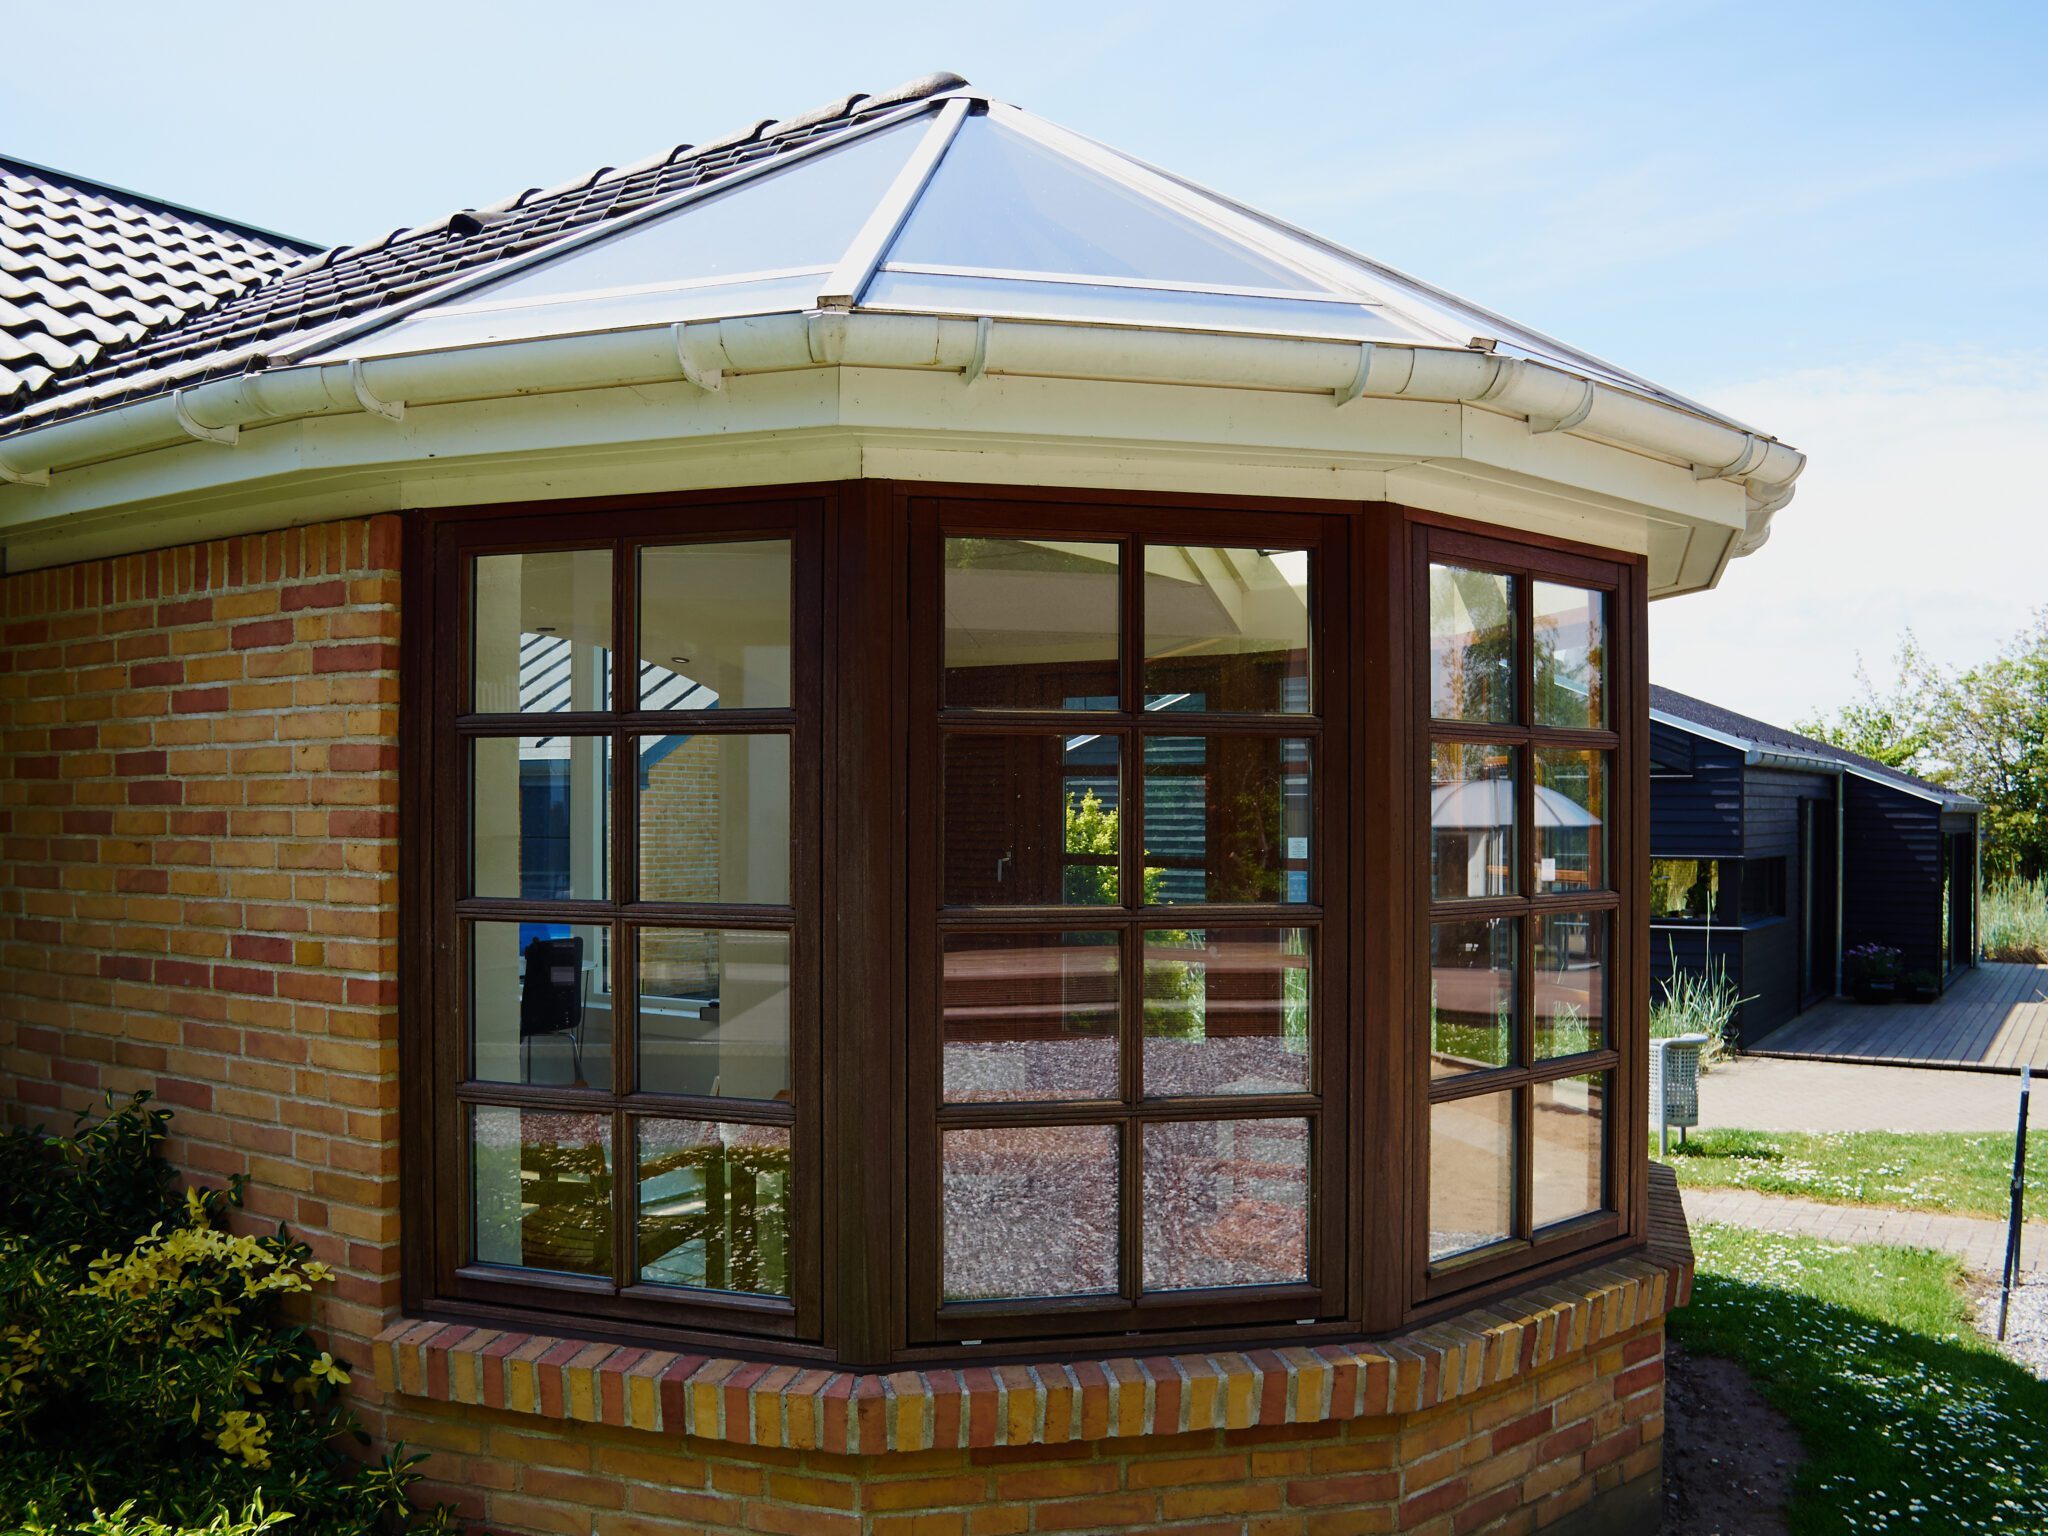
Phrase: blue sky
(1832, 219)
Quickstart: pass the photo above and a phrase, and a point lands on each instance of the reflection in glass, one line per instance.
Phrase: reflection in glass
(540, 817)
(714, 1013)
(1471, 645)
(1031, 820)
(540, 1003)
(541, 1189)
(1471, 1173)
(1227, 1010)
(1571, 817)
(1226, 629)
(1570, 636)
(1227, 819)
(1569, 1149)
(541, 632)
(1471, 995)
(714, 818)
(1688, 891)
(714, 1205)
(1226, 1203)
(1471, 820)
(714, 626)
(1030, 1016)
(1030, 1211)
(1570, 983)
(1031, 624)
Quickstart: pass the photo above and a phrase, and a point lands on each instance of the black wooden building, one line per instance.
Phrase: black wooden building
(1771, 853)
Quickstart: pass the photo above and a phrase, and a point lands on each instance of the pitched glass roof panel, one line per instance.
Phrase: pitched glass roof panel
(1001, 200)
(1181, 309)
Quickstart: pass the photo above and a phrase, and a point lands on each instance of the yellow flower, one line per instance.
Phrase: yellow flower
(328, 1369)
(243, 1434)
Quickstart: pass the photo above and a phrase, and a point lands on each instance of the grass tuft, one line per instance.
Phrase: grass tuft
(2014, 919)
(1969, 1173)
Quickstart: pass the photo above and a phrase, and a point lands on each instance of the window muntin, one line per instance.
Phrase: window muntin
(1166, 1007)
(630, 1116)
(1521, 928)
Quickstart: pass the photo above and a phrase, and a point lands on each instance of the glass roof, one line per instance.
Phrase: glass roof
(971, 208)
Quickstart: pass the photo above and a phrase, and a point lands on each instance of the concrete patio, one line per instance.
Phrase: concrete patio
(1991, 1019)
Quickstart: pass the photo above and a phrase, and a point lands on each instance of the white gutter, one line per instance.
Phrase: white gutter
(1548, 397)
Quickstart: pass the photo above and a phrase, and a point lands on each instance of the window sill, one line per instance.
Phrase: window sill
(875, 1412)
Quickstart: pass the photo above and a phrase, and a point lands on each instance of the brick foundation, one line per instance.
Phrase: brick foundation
(198, 788)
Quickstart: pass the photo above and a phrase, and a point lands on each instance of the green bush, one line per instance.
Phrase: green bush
(147, 1364)
(2014, 918)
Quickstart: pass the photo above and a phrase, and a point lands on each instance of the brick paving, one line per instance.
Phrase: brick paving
(1978, 1242)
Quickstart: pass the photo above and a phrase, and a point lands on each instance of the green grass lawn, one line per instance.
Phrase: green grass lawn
(1910, 1420)
(1966, 1172)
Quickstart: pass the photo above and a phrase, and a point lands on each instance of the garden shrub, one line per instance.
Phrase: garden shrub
(148, 1366)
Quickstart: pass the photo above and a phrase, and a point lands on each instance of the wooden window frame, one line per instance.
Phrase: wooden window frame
(863, 1030)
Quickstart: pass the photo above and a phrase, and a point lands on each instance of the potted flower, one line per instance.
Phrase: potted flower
(1871, 972)
(1922, 987)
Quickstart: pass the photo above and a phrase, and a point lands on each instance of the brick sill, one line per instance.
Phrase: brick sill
(797, 1407)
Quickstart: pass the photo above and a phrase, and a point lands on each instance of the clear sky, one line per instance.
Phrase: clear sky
(1831, 219)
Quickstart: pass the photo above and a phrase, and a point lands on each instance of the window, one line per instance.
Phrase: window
(1522, 940)
(1763, 888)
(1124, 985)
(624, 881)
(1691, 891)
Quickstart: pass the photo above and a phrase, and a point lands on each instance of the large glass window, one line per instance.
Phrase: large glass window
(635, 1047)
(1692, 891)
(1520, 929)
(1127, 1020)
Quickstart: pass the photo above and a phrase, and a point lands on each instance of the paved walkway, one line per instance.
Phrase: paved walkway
(1977, 1242)
(1993, 1018)
(1764, 1094)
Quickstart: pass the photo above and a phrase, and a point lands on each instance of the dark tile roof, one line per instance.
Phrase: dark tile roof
(86, 269)
(230, 337)
(1773, 738)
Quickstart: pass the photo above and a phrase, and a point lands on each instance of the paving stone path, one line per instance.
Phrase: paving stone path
(1978, 1242)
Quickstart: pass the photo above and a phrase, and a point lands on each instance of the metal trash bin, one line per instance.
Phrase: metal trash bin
(1675, 1086)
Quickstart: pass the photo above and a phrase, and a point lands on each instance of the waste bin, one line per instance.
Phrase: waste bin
(1675, 1085)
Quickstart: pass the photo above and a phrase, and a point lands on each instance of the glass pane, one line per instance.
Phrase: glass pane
(1031, 820)
(1471, 644)
(714, 626)
(1227, 818)
(714, 1013)
(1571, 820)
(1471, 1173)
(557, 847)
(1002, 200)
(1471, 820)
(1570, 983)
(1030, 1211)
(1031, 624)
(541, 632)
(1569, 1157)
(1226, 629)
(1226, 1203)
(1227, 1010)
(1030, 1016)
(1686, 891)
(1471, 995)
(541, 1183)
(540, 1003)
(714, 818)
(714, 1205)
(1570, 636)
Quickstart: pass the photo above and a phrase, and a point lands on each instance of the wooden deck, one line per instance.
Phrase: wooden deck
(1991, 1019)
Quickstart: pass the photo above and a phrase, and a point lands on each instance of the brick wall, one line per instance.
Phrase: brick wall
(1512, 1458)
(198, 807)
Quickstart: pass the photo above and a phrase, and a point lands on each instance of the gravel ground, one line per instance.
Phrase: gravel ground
(2026, 1328)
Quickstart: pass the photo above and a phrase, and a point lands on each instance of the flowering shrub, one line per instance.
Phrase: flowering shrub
(147, 1364)
(1871, 964)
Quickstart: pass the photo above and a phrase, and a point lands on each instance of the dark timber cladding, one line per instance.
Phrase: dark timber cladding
(1772, 853)
(1264, 834)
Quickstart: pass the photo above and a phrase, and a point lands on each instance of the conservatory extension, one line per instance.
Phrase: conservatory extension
(1008, 822)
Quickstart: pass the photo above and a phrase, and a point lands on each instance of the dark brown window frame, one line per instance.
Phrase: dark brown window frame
(854, 1278)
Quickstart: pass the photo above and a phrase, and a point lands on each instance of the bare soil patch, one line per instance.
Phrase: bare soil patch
(1729, 1456)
